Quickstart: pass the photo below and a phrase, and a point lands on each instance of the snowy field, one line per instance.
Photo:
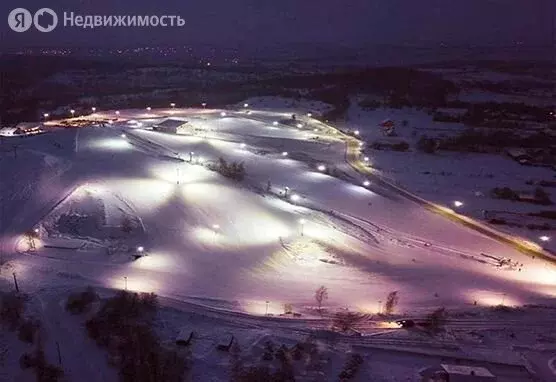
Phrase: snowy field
(446, 177)
(208, 236)
(95, 195)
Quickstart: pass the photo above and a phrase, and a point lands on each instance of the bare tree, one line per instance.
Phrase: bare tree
(126, 225)
(288, 308)
(321, 295)
(436, 320)
(30, 236)
(346, 320)
(391, 302)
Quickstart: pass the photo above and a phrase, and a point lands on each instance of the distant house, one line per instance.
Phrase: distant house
(170, 125)
(28, 128)
(23, 128)
(519, 155)
(388, 127)
(458, 373)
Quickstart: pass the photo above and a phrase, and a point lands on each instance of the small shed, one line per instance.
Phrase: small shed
(9, 132)
(519, 155)
(170, 125)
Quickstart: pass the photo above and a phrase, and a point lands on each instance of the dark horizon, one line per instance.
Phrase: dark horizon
(250, 24)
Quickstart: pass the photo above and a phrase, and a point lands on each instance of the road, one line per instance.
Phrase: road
(353, 158)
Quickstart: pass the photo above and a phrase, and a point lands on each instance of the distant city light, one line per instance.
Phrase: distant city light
(243, 145)
(366, 159)
(295, 198)
(356, 132)
(117, 112)
(94, 109)
(302, 221)
(148, 108)
(245, 105)
(123, 136)
(544, 238)
(204, 104)
(457, 203)
(366, 183)
(172, 105)
(46, 115)
(215, 227)
(72, 112)
(309, 115)
(299, 125)
(140, 249)
(223, 114)
(275, 123)
(284, 153)
(321, 167)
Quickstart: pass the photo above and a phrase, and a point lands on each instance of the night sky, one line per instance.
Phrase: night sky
(267, 22)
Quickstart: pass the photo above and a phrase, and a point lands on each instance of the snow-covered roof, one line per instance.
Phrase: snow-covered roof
(171, 123)
(7, 131)
(467, 370)
(28, 125)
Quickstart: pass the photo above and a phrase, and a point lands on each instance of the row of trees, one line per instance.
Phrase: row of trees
(123, 325)
(233, 170)
(12, 317)
(539, 194)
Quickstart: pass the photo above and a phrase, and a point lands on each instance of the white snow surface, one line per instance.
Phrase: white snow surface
(209, 237)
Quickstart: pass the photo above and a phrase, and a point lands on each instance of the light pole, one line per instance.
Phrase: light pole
(94, 109)
(379, 306)
(286, 190)
(301, 225)
(72, 112)
(46, 115)
(178, 175)
(215, 228)
(125, 282)
(503, 298)
(191, 153)
(204, 105)
(266, 312)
